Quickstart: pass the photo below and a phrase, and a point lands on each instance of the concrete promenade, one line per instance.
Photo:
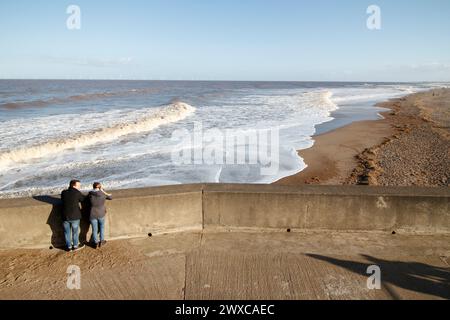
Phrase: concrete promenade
(237, 265)
(237, 242)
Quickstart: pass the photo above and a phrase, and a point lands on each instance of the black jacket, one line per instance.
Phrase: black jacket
(97, 201)
(71, 199)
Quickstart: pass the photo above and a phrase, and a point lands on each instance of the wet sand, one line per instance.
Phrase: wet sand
(410, 146)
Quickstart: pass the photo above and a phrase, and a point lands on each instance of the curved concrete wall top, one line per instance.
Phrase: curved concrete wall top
(36, 222)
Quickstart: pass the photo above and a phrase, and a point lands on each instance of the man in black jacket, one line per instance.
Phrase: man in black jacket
(71, 214)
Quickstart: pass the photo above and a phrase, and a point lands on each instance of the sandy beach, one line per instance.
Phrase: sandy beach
(409, 147)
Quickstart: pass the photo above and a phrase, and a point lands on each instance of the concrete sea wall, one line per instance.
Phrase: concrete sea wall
(36, 222)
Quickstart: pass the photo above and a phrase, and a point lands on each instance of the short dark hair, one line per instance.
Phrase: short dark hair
(96, 185)
(73, 183)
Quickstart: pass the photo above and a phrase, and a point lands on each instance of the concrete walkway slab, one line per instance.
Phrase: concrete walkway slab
(237, 265)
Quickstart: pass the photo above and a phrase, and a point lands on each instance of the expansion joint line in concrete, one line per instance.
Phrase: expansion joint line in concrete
(203, 208)
(185, 276)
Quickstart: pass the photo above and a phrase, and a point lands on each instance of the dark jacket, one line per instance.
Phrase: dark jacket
(97, 200)
(71, 199)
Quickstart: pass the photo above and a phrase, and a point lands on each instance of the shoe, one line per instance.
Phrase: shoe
(96, 245)
(67, 249)
(102, 243)
(78, 248)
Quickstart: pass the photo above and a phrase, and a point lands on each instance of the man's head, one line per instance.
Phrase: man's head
(75, 184)
(97, 185)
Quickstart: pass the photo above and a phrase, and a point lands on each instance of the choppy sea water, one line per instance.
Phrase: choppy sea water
(122, 132)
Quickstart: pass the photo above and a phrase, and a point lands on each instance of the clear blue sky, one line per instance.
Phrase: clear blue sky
(226, 40)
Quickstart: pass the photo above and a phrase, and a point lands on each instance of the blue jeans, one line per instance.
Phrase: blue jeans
(96, 225)
(71, 233)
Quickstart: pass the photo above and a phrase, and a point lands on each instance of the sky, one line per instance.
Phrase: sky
(260, 40)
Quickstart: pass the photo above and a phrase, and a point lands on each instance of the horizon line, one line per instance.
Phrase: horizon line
(203, 80)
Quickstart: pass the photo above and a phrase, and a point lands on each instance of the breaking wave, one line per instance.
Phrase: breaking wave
(156, 117)
(322, 99)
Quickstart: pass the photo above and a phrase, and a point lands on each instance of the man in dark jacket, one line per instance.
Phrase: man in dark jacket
(71, 214)
(97, 199)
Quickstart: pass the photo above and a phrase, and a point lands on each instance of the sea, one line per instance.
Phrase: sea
(131, 134)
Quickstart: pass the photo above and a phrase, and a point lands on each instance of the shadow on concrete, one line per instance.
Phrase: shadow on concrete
(414, 276)
(55, 220)
(85, 223)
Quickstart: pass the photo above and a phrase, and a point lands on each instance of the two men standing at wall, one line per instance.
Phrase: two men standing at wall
(71, 199)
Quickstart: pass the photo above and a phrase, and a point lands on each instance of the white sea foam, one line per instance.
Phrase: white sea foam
(37, 157)
(152, 119)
